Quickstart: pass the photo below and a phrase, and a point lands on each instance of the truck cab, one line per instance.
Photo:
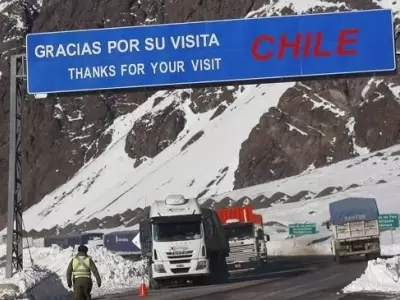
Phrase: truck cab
(182, 242)
(247, 241)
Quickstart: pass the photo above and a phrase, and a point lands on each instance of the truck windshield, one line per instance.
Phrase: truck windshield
(182, 231)
(239, 231)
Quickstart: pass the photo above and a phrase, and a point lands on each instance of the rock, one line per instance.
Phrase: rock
(328, 191)
(151, 135)
(193, 139)
(318, 123)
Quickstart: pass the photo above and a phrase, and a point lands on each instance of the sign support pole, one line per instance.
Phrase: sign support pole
(14, 258)
(391, 235)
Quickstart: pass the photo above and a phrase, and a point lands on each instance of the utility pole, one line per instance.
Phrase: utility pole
(14, 214)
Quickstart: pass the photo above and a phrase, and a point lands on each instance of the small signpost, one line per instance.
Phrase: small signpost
(298, 229)
(389, 221)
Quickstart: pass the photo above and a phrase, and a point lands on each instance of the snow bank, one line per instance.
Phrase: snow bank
(287, 248)
(390, 250)
(381, 275)
(47, 277)
(23, 281)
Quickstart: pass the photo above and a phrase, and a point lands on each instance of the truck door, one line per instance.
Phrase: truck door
(145, 238)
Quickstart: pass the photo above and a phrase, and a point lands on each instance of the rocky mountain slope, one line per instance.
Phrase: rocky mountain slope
(289, 127)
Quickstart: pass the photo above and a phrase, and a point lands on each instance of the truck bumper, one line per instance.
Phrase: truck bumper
(246, 265)
(357, 247)
(359, 252)
(164, 270)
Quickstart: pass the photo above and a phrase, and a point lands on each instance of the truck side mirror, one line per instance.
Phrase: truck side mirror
(267, 237)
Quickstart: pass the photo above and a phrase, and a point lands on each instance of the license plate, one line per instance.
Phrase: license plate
(180, 266)
(237, 265)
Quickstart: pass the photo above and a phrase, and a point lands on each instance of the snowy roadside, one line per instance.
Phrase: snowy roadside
(47, 277)
(381, 275)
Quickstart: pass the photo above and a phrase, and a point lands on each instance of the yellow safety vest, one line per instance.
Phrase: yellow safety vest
(79, 269)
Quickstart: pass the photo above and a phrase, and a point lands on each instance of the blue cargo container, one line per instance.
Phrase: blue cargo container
(121, 242)
(353, 209)
(62, 241)
(91, 237)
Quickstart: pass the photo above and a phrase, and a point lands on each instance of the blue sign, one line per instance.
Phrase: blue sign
(211, 52)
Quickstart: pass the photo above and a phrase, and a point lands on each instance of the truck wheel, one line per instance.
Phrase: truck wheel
(218, 269)
(338, 259)
(224, 270)
(153, 283)
(213, 277)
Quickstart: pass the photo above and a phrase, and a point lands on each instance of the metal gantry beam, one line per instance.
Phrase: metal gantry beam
(14, 214)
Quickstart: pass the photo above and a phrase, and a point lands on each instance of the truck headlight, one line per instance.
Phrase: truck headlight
(201, 264)
(159, 268)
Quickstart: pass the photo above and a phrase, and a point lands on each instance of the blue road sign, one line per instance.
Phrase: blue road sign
(211, 52)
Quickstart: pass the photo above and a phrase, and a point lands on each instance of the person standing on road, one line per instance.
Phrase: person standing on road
(80, 269)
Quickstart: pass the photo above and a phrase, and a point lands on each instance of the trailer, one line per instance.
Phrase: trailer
(92, 238)
(121, 243)
(355, 228)
(62, 241)
(247, 241)
(183, 243)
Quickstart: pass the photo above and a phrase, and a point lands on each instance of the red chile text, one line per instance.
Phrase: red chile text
(305, 45)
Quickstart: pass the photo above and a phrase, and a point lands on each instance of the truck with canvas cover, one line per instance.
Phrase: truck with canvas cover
(355, 228)
(183, 242)
(245, 232)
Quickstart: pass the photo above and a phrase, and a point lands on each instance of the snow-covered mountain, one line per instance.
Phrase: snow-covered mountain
(301, 198)
(94, 160)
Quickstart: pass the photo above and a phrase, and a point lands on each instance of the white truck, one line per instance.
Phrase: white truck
(355, 228)
(183, 242)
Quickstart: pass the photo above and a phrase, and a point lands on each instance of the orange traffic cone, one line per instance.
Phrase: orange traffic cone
(143, 289)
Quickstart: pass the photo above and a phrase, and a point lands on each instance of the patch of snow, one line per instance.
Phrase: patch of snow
(6, 4)
(390, 4)
(304, 6)
(291, 127)
(395, 90)
(325, 105)
(24, 281)
(381, 275)
(50, 265)
(366, 88)
(390, 249)
(350, 127)
(78, 117)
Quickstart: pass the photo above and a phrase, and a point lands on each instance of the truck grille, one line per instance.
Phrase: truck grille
(180, 254)
(180, 261)
(180, 270)
(241, 253)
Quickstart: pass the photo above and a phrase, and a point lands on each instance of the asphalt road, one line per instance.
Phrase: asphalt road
(295, 278)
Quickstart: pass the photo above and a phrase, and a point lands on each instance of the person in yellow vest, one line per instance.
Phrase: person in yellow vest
(79, 273)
